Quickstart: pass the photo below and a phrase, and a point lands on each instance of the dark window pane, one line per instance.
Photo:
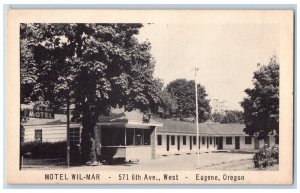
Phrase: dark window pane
(112, 136)
(248, 140)
(38, 135)
(184, 140)
(138, 136)
(210, 140)
(228, 140)
(75, 135)
(172, 140)
(129, 136)
(194, 140)
(203, 140)
(147, 136)
(159, 140)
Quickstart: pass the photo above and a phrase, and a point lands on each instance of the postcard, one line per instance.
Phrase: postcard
(149, 96)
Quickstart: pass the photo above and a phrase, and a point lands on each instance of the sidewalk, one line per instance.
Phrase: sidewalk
(172, 162)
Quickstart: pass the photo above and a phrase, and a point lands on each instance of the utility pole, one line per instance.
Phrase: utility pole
(68, 130)
(197, 122)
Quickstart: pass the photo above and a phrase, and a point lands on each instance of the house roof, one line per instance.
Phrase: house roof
(164, 125)
(133, 117)
(229, 129)
(58, 120)
(207, 128)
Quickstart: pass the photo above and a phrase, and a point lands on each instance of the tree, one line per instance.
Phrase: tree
(232, 117)
(261, 106)
(183, 92)
(95, 66)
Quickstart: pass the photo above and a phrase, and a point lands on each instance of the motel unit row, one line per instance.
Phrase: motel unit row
(126, 135)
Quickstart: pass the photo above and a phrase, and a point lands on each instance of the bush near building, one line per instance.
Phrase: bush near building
(44, 150)
(265, 157)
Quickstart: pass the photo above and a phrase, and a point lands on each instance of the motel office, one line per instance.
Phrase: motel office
(126, 135)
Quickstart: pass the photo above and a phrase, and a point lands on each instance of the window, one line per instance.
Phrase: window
(38, 135)
(172, 140)
(248, 140)
(228, 140)
(276, 140)
(210, 140)
(75, 135)
(184, 140)
(203, 140)
(138, 137)
(147, 135)
(112, 136)
(194, 140)
(129, 136)
(159, 140)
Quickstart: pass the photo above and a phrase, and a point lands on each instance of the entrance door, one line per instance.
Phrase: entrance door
(256, 143)
(237, 142)
(168, 142)
(191, 143)
(220, 142)
(178, 142)
(207, 142)
(267, 141)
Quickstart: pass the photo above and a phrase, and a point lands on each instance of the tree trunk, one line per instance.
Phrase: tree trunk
(88, 143)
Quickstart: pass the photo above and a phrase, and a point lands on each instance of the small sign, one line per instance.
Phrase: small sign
(41, 112)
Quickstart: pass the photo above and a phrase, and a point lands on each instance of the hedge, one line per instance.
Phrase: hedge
(265, 157)
(44, 150)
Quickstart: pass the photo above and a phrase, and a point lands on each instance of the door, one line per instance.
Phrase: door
(237, 142)
(207, 142)
(256, 143)
(191, 143)
(168, 142)
(178, 142)
(220, 142)
(267, 141)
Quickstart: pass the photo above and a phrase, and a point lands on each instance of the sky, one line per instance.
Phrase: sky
(226, 54)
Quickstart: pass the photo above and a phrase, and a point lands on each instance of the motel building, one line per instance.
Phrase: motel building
(128, 136)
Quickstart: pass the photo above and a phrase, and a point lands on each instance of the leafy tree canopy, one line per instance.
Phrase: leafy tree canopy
(183, 92)
(230, 116)
(261, 106)
(95, 66)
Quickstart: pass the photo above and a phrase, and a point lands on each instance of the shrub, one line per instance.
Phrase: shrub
(44, 150)
(265, 157)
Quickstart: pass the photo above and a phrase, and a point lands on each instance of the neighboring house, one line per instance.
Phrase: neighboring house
(126, 134)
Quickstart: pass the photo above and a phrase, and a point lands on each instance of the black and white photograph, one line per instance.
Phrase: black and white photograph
(168, 92)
